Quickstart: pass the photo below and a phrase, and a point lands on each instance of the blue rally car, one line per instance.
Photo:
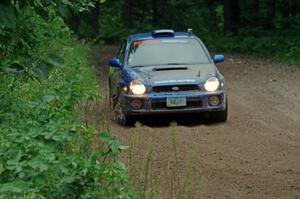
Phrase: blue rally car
(166, 72)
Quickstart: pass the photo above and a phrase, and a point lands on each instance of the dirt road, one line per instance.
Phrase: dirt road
(256, 154)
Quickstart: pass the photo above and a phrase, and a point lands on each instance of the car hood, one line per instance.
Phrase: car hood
(173, 74)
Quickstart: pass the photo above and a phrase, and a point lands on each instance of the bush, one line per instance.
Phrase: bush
(45, 150)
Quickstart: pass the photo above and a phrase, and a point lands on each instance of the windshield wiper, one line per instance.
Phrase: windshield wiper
(140, 66)
(180, 63)
(175, 64)
(166, 64)
(170, 68)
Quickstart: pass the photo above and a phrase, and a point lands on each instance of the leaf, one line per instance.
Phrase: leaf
(123, 147)
(46, 3)
(7, 16)
(16, 159)
(49, 98)
(14, 68)
(41, 70)
(10, 70)
(37, 163)
(105, 136)
(1, 168)
(55, 60)
(68, 179)
(114, 148)
(14, 187)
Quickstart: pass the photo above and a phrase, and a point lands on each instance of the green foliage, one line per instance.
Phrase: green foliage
(256, 33)
(112, 27)
(174, 180)
(45, 150)
(277, 45)
(22, 50)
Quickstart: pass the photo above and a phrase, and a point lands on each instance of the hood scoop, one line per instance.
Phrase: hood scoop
(170, 68)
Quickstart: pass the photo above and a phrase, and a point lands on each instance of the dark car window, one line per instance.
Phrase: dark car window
(166, 52)
(121, 52)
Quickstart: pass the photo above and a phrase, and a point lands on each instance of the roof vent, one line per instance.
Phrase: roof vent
(163, 33)
(190, 31)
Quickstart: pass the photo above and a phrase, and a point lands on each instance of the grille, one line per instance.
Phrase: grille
(162, 104)
(178, 88)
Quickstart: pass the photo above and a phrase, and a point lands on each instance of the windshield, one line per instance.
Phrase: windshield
(166, 52)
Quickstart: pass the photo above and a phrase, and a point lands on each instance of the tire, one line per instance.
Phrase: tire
(126, 120)
(123, 119)
(219, 116)
(118, 114)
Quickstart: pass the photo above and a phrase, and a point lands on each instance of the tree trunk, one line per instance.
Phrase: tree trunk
(127, 13)
(255, 9)
(95, 14)
(285, 9)
(213, 15)
(154, 13)
(232, 15)
(74, 22)
(143, 13)
(294, 8)
(271, 13)
(162, 13)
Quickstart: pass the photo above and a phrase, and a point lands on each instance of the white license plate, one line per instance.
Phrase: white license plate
(176, 101)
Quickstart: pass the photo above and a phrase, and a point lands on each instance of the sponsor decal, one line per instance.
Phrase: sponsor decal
(155, 41)
(175, 41)
(137, 43)
(175, 81)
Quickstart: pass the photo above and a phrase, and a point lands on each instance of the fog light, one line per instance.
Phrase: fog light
(136, 104)
(214, 100)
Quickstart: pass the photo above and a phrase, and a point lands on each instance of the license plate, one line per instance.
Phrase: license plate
(176, 101)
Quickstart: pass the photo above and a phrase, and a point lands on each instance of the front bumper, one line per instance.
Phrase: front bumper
(155, 103)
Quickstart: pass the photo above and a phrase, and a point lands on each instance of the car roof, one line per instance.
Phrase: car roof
(150, 35)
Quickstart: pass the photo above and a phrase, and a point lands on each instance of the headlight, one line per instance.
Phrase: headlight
(212, 84)
(137, 87)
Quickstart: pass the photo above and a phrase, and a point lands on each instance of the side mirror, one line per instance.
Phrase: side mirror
(115, 63)
(218, 58)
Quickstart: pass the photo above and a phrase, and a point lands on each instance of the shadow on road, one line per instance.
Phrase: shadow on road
(164, 120)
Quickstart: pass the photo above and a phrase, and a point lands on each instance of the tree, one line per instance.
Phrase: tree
(155, 13)
(94, 17)
(213, 15)
(232, 15)
(295, 7)
(255, 6)
(127, 13)
(271, 12)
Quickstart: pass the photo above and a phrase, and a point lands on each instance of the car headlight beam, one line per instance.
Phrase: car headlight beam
(212, 84)
(137, 87)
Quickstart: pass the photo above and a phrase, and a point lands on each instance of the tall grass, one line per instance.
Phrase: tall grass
(174, 180)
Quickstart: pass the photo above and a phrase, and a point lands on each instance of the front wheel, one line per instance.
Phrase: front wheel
(219, 116)
(123, 119)
(126, 120)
